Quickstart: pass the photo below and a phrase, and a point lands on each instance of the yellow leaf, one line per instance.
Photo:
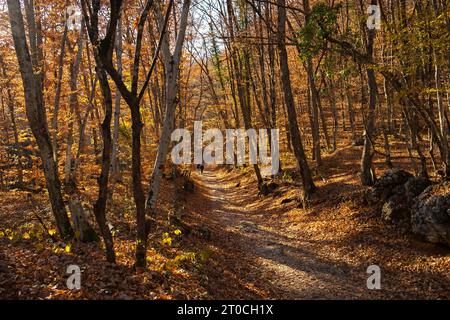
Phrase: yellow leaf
(26, 235)
(51, 232)
(177, 232)
(167, 240)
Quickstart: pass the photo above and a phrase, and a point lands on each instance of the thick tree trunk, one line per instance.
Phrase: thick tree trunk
(35, 110)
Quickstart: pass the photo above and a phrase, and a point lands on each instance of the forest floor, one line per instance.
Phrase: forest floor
(235, 244)
(264, 247)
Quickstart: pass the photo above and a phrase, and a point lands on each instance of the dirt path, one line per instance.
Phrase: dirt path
(261, 249)
(277, 265)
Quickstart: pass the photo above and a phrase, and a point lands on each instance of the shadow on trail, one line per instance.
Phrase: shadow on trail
(252, 260)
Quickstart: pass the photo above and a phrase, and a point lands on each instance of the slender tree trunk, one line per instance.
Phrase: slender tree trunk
(308, 184)
(172, 68)
(332, 97)
(91, 19)
(56, 103)
(69, 176)
(367, 173)
(314, 113)
(115, 171)
(12, 116)
(350, 111)
(443, 122)
(100, 204)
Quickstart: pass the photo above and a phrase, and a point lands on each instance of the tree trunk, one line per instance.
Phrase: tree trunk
(367, 173)
(56, 103)
(103, 180)
(115, 171)
(69, 176)
(35, 110)
(12, 115)
(172, 65)
(314, 113)
(83, 229)
(443, 124)
(308, 184)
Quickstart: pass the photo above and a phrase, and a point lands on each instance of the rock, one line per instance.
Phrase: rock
(385, 186)
(396, 210)
(430, 217)
(415, 186)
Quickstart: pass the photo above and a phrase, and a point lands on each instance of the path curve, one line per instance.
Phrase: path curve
(274, 265)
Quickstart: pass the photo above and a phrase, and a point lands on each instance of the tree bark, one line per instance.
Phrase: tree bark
(35, 110)
(308, 184)
(172, 66)
(115, 171)
(12, 115)
(367, 173)
(100, 48)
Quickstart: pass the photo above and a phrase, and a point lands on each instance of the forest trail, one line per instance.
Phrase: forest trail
(271, 263)
(260, 248)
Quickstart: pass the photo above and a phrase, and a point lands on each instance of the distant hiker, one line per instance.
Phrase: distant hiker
(201, 167)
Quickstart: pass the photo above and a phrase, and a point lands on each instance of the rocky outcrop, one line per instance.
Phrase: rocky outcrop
(415, 186)
(430, 216)
(413, 204)
(386, 186)
(397, 208)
